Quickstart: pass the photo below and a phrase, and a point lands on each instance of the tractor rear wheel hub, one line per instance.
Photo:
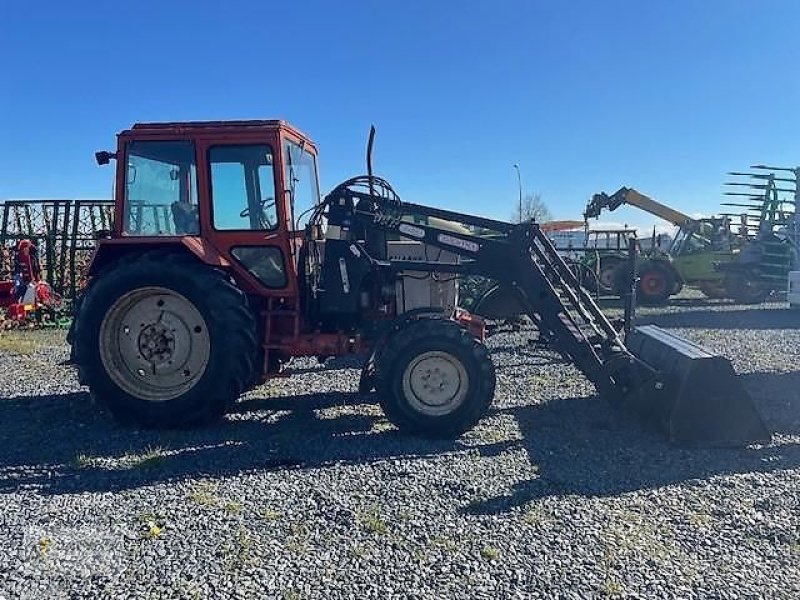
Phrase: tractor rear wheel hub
(154, 344)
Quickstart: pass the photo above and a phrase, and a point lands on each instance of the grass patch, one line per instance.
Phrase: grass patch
(152, 457)
(269, 514)
(632, 534)
(381, 425)
(232, 508)
(444, 542)
(244, 544)
(492, 435)
(534, 516)
(295, 546)
(14, 343)
(299, 529)
(204, 494)
(490, 553)
(419, 555)
(373, 523)
(152, 526)
(44, 546)
(701, 520)
(404, 514)
(611, 587)
(82, 461)
(631, 538)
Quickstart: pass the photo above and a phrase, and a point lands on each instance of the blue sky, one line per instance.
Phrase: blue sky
(585, 96)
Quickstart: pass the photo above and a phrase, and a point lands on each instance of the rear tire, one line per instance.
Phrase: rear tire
(434, 379)
(655, 285)
(164, 341)
(742, 289)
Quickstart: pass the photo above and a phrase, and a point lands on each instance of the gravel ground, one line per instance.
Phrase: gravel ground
(303, 493)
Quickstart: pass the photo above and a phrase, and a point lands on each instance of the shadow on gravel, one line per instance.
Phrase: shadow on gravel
(754, 318)
(64, 444)
(583, 447)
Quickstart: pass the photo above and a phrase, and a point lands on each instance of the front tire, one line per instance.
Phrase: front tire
(164, 341)
(434, 379)
(655, 285)
(607, 278)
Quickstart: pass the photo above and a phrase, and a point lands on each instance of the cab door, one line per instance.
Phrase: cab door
(301, 188)
(245, 217)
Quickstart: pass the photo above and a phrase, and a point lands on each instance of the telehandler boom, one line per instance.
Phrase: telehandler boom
(179, 318)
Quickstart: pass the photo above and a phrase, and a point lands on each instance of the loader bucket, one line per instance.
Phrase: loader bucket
(699, 400)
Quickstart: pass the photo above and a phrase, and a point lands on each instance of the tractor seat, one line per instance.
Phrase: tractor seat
(185, 219)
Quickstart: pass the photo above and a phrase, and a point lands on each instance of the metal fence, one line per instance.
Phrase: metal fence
(64, 231)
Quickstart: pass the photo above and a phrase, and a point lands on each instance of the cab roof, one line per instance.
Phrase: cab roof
(226, 126)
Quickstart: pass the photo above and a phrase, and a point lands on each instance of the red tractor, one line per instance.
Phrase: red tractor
(224, 263)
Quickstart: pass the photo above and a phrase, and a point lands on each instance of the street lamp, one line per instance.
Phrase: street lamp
(519, 183)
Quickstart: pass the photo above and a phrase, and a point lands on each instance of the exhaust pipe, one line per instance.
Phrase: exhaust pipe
(696, 397)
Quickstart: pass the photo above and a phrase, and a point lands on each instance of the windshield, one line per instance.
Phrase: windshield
(301, 181)
(687, 242)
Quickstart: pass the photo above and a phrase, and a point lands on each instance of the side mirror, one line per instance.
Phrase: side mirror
(103, 157)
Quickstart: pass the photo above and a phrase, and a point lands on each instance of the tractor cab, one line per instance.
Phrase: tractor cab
(233, 193)
(709, 234)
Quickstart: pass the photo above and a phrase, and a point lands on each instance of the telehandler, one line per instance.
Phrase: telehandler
(181, 316)
(705, 253)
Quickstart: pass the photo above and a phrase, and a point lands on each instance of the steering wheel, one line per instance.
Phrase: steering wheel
(263, 219)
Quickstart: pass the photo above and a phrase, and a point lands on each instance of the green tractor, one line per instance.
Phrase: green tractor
(604, 253)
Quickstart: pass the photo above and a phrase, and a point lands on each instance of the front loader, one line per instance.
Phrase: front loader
(181, 316)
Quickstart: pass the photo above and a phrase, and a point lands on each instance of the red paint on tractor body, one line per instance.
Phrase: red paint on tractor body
(286, 331)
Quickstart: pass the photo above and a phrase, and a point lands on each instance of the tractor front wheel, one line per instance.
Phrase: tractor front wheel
(164, 341)
(607, 278)
(434, 379)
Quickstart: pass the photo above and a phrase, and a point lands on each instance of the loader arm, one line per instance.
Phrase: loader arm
(523, 260)
(630, 196)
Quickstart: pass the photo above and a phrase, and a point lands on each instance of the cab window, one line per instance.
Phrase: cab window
(242, 187)
(160, 189)
(265, 263)
(301, 181)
